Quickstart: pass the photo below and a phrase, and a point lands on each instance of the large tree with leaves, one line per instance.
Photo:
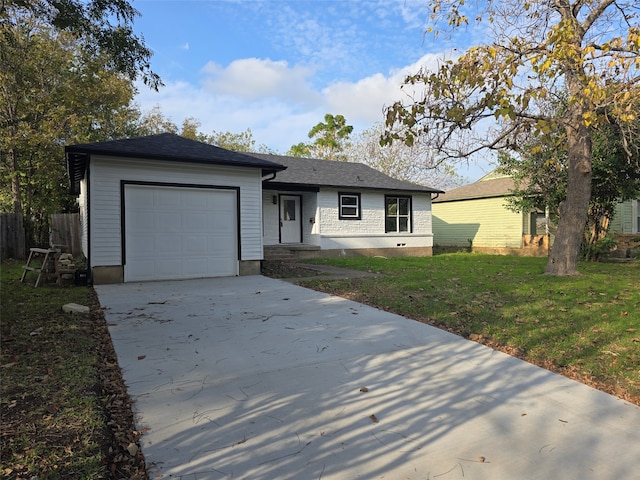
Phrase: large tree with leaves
(541, 180)
(52, 92)
(416, 163)
(589, 49)
(330, 138)
(104, 27)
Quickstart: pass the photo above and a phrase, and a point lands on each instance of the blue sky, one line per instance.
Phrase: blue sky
(278, 66)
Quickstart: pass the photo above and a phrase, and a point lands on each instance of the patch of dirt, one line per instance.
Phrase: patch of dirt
(122, 451)
(277, 269)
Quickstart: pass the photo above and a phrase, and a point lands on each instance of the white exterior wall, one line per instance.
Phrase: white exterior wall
(310, 229)
(368, 232)
(330, 233)
(106, 174)
(271, 217)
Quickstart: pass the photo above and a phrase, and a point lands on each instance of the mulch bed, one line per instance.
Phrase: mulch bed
(122, 448)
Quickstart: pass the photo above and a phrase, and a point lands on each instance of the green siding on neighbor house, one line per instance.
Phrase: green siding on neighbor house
(485, 222)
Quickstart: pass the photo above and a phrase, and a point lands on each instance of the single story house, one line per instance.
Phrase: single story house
(344, 208)
(166, 207)
(475, 217)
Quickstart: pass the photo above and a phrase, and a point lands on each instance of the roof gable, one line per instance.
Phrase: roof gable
(313, 172)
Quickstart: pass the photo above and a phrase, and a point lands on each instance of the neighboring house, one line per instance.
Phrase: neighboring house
(343, 208)
(625, 227)
(627, 218)
(166, 207)
(475, 217)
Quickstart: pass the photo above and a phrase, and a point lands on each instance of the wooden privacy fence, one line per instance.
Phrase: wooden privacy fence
(12, 236)
(64, 233)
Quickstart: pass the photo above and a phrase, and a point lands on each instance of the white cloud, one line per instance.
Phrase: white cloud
(185, 46)
(253, 78)
(364, 100)
(275, 100)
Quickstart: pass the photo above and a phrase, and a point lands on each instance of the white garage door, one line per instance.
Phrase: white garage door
(179, 232)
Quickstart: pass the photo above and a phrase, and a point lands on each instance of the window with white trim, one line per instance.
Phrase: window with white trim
(349, 207)
(397, 214)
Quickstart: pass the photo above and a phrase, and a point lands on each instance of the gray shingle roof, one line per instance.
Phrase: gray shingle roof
(311, 172)
(168, 146)
(496, 187)
(165, 146)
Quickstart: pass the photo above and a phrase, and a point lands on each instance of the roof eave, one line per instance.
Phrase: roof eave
(170, 158)
(299, 185)
(475, 197)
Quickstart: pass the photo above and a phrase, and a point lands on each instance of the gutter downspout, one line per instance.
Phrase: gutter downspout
(273, 175)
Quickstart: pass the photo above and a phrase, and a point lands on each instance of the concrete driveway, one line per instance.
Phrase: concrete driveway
(255, 378)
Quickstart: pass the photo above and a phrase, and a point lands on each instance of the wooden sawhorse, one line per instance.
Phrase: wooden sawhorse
(49, 256)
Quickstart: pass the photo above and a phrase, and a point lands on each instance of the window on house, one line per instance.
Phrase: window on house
(289, 210)
(349, 206)
(397, 214)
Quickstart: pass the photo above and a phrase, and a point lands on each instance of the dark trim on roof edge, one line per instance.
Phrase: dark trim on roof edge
(479, 197)
(312, 187)
(169, 158)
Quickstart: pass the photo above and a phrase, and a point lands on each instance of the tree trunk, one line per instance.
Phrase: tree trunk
(16, 188)
(563, 258)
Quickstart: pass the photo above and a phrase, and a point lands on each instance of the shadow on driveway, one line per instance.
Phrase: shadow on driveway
(255, 378)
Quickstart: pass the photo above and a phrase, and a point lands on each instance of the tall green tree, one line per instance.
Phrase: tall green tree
(155, 122)
(590, 49)
(52, 92)
(104, 27)
(540, 173)
(238, 142)
(330, 138)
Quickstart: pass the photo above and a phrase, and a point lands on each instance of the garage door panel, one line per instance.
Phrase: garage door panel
(198, 222)
(179, 232)
(140, 245)
(195, 245)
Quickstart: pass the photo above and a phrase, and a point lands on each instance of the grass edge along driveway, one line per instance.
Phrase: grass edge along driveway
(65, 411)
(585, 327)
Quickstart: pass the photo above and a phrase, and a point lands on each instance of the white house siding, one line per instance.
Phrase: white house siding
(310, 212)
(271, 217)
(369, 231)
(105, 177)
(485, 222)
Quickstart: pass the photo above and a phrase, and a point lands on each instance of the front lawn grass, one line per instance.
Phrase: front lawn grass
(586, 327)
(52, 421)
(65, 413)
